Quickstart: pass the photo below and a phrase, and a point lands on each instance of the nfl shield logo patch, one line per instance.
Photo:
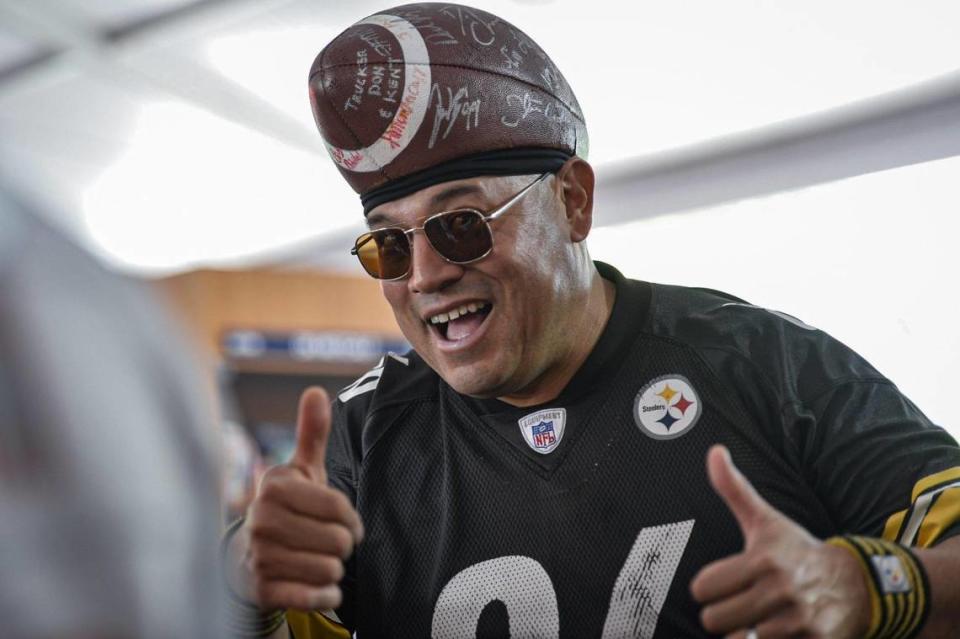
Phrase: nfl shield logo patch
(543, 430)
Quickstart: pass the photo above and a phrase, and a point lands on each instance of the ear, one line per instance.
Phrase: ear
(576, 181)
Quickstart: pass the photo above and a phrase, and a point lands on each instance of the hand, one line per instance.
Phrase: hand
(785, 582)
(298, 529)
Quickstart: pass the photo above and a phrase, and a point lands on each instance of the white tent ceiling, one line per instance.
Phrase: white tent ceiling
(166, 134)
(171, 133)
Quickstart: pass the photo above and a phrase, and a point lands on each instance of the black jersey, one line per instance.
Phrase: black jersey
(588, 516)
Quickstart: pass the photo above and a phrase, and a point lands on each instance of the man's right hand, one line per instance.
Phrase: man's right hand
(298, 530)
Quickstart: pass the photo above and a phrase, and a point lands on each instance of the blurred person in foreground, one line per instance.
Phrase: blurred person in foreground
(243, 467)
(109, 513)
(556, 456)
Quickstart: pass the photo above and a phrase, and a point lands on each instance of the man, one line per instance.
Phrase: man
(109, 514)
(535, 467)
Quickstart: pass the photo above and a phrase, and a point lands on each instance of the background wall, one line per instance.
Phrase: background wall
(214, 301)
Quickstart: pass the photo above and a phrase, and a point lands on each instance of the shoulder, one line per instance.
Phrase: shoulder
(795, 357)
(364, 409)
(705, 317)
(395, 379)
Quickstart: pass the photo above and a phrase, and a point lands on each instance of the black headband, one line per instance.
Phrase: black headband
(522, 161)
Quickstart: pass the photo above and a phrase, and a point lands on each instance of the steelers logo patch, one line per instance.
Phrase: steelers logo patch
(667, 407)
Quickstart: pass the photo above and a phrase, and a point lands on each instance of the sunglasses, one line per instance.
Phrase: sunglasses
(461, 237)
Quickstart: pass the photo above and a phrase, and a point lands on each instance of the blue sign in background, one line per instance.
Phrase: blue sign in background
(310, 346)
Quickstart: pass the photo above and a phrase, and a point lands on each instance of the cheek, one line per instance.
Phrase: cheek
(541, 260)
(397, 298)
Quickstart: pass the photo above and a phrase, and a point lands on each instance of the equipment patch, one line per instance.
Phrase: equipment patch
(543, 429)
(666, 407)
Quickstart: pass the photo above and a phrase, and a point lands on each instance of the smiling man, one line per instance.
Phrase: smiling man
(545, 461)
(495, 327)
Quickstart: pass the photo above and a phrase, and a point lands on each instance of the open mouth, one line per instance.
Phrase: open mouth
(461, 322)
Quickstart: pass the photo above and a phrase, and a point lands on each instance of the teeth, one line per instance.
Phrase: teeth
(472, 307)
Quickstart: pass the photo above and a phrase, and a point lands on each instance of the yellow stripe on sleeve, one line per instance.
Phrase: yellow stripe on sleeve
(944, 513)
(313, 625)
(943, 477)
(892, 528)
(935, 507)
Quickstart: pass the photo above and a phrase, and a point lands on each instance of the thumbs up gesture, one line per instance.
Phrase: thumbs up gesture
(785, 582)
(299, 530)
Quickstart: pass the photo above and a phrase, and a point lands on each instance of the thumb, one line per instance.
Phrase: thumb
(313, 430)
(743, 500)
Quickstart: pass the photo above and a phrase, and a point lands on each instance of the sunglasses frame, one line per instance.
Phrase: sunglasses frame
(408, 233)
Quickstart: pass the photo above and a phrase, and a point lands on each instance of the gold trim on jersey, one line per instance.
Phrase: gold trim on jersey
(935, 507)
(314, 625)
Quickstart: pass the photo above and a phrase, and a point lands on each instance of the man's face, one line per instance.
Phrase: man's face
(511, 303)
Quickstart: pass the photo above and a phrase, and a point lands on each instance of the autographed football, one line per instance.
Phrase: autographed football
(421, 84)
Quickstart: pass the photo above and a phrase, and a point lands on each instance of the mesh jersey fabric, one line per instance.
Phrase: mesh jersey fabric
(470, 533)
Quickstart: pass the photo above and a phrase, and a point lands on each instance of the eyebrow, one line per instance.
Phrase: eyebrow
(436, 202)
(453, 193)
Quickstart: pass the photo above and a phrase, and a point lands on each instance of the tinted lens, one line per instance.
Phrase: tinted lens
(459, 236)
(384, 254)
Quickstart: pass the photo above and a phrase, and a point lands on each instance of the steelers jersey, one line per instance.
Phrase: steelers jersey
(589, 515)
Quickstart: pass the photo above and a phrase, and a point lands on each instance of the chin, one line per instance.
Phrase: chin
(472, 381)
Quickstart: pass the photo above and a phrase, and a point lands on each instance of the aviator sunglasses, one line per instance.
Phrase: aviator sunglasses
(461, 236)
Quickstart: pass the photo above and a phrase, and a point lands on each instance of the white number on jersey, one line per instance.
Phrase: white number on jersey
(519, 582)
(526, 591)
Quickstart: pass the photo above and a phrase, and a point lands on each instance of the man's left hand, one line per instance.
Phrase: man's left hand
(785, 582)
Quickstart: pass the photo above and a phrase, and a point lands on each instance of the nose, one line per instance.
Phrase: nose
(428, 271)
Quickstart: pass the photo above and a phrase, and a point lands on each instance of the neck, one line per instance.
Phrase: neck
(579, 341)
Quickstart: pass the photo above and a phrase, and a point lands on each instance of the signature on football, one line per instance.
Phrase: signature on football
(459, 107)
(526, 105)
